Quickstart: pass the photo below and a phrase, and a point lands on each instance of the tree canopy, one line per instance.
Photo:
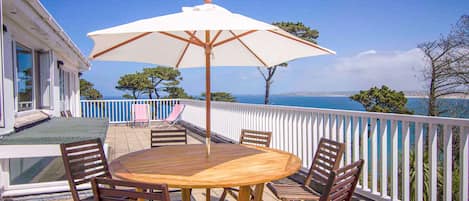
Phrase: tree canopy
(166, 76)
(300, 30)
(220, 96)
(88, 92)
(176, 92)
(136, 84)
(382, 99)
(447, 69)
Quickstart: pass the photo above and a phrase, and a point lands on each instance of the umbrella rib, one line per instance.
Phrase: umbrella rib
(192, 35)
(120, 44)
(182, 39)
(183, 52)
(302, 41)
(215, 38)
(234, 38)
(249, 49)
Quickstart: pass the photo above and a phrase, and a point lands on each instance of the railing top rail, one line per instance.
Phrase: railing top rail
(130, 100)
(388, 116)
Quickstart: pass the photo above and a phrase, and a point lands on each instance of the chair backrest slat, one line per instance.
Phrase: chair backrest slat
(109, 189)
(83, 161)
(327, 158)
(168, 137)
(342, 183)
(258, 138)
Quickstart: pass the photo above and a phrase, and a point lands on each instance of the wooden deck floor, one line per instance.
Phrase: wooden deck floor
(123, 140)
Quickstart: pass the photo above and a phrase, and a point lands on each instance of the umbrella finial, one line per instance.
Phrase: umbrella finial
(208, 1)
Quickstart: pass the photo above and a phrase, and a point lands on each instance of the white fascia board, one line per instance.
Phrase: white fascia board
(60, 41)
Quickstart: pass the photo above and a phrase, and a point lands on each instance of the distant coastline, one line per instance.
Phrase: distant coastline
(408, 94)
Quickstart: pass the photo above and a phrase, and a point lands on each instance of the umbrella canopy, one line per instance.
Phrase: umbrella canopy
(199, 36)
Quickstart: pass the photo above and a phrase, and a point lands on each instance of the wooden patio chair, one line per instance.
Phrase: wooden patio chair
(83, 161)
(340, 186)
(251, 137)
(258, 138)
(108, 189)
(175, 135)
(69, 114)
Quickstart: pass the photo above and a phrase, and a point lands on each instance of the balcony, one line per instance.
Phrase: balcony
(407, 157)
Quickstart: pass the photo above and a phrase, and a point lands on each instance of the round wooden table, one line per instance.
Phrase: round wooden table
(187, 167)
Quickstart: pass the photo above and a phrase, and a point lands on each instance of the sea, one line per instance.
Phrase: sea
(455, 107)
(458, 108)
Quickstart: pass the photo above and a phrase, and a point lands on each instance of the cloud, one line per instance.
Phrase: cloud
(399, 70)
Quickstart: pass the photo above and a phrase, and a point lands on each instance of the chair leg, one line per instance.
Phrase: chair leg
(223, 195)
(230, 191)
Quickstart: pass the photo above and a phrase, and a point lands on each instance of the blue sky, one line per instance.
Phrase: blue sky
(375, 41)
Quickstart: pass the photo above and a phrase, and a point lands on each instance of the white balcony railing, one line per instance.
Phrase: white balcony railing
(385, 141)
(119, 111)
(395, 147)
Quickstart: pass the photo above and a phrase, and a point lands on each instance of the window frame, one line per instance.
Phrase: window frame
(15, 72)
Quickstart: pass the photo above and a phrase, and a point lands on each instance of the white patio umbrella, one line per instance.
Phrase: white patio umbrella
(205, 35)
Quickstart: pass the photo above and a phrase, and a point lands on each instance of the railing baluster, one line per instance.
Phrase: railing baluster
(314, 126)
(432, 142)
(340, 138)
(448, 162)
(348, 140)
(320, 125)
(333, 129)
(356, 137)
(464, 163)
(302, 145)
(364, 149)
(419, 161)
(394, 161)
(326, 128)
(405, 161)
(374, 156)
(309, 139)
(384, 157)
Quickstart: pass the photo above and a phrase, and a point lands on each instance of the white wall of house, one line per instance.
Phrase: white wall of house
(29, 26)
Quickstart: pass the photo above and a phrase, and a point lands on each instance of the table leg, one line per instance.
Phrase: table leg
(258, 192)
(244, 193)
(139, 190)
(207, 194)
(186, 194)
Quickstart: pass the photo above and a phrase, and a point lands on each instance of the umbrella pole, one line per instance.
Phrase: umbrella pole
(208, 50)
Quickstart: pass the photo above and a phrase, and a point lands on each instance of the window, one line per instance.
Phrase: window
(36, 170)
(24, 72)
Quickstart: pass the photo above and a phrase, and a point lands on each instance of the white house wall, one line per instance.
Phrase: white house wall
(8, 85)
(24, 25)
